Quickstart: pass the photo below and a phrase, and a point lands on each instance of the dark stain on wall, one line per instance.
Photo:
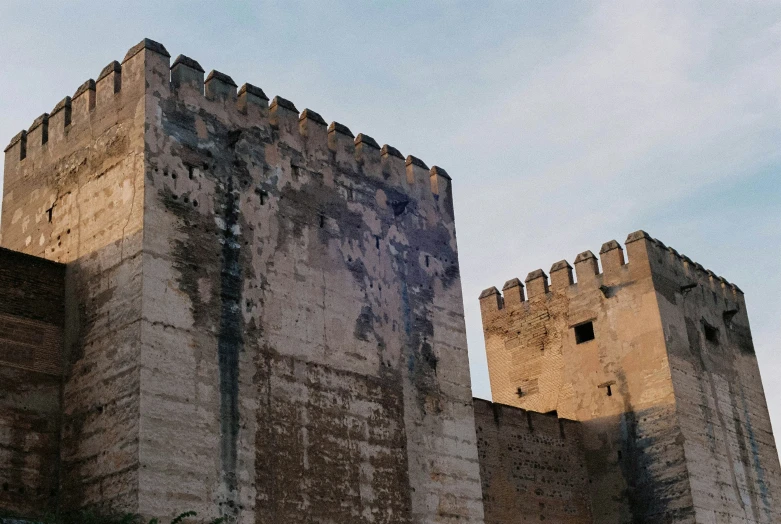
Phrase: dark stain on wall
(364, 324)
(714, 359)
(755, 464)
(651, 492)
(417, 293)
(212, 251)
(709, 358)
(693, 336)
(307, 421)
(742, 449)
(230, 337)
(740, 337)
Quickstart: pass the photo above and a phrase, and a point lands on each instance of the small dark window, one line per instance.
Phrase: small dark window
(728, 315)
(584, 332)
(711, 333)
(50, 213)
(608, 387)
(519, 392)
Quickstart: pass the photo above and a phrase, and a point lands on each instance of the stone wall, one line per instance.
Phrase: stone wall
(262, 319)
(532, 466)
(618, 384)
(730, 449)
(31, 324)
(309, 282)
(265, 312)
(73, 193)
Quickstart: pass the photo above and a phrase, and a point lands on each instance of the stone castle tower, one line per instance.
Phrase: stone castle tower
(213, 303)
(654, 357)
(262, 313)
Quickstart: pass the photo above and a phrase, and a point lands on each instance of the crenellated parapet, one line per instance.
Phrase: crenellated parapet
(688, 272)
(94, 101)
(243, 107)
(610, 269)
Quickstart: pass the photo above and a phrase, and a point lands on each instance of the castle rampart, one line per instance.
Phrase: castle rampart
(249, 279)
(248, 312)
(626, 352)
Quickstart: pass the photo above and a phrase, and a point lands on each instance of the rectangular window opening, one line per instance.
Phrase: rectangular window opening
(584, 332)
(263, 194)
(711, 333)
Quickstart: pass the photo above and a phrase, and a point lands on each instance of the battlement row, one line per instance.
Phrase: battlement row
(71, 110)
(187, 78)
(614, 269)
(546, 424)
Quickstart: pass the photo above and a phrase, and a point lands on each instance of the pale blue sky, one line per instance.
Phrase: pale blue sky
(563, 124)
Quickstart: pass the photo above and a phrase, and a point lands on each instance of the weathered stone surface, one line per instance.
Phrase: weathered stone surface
(32, 292)
(674, 419)
(730, 449)
(78, 199)
(264, 321)
(532, 466)
(336, 314)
